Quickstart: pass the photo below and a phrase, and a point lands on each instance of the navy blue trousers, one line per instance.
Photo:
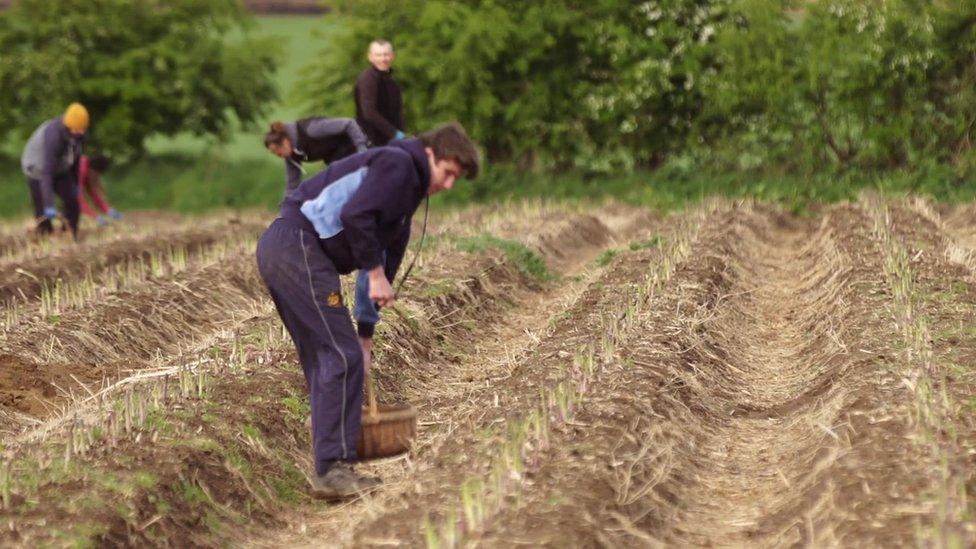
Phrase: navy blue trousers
(304, 285)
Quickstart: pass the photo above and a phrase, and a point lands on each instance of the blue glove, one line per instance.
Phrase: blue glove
(399, 135)
(101, 221)
(50, 212)
(114, 214)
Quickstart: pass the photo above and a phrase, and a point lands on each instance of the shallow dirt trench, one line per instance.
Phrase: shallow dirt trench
(461, 399)
(739, 377)
(761, 400)
(755, 461)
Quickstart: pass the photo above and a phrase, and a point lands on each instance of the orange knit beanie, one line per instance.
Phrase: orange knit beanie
(76, 117)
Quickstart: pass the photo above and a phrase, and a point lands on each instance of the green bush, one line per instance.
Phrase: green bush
(644, 63)
(613, 85)
(841, 84)
(598, 85)
(142, 67)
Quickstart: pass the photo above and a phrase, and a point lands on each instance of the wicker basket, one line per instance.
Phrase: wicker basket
(387, 430)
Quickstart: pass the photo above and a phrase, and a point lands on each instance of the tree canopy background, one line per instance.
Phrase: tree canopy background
(650, 101)
(141, 67)
(610, 85)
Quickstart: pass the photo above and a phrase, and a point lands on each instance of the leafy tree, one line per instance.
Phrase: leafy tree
(499, 67)
(142, 67)
(844, 83)
(605, 85)
(955, 84)
(646, 62)
(599, 85)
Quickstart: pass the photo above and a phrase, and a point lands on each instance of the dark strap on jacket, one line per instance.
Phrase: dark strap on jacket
(420, 247)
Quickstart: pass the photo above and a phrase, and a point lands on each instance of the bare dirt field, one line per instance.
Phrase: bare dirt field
(589, 375)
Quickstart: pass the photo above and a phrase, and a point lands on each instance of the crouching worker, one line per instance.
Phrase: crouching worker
(354, 215)
(50, 162)
(90, 172)
(328, 140)
(311, 140)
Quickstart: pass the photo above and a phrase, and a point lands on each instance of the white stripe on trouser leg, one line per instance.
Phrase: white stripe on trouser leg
(345, 363)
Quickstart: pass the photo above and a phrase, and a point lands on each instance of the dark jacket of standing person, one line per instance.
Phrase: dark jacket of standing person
(379, 105)
(387, 185)
(314, 139)
(50, 162)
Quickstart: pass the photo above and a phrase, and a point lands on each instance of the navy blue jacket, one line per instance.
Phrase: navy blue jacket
(365, 203)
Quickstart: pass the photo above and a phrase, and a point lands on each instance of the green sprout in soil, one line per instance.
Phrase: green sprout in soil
(524, 259)
(606, 257)
(652, 242)
(297, 406)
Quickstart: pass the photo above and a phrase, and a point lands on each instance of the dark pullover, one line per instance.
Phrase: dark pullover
(376, 217)
(51, 151)
(379, 105)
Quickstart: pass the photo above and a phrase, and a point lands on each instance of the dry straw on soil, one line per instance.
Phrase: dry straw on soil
(763, 402)
(129, 408)
(759, 398)
(742, 377)
(24, 278)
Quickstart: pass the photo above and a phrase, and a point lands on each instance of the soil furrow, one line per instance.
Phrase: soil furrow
(942, 271)
(122, 334)
(960, 222)
(20, 244)
(780, 364)
(194, 468)
(734, 376)
(764, 406)
(454, 404)
(24, 280)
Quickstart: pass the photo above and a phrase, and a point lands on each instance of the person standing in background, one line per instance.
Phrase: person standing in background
(379, 111)
(50, 162)
(379, 105)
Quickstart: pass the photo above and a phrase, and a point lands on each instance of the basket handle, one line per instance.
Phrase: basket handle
(371, 395)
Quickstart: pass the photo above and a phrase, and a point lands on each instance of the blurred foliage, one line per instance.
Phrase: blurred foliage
(645, 62)
(612, 85)
(653, 102)
(142, 67)
(866, 84)
(598, 85)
